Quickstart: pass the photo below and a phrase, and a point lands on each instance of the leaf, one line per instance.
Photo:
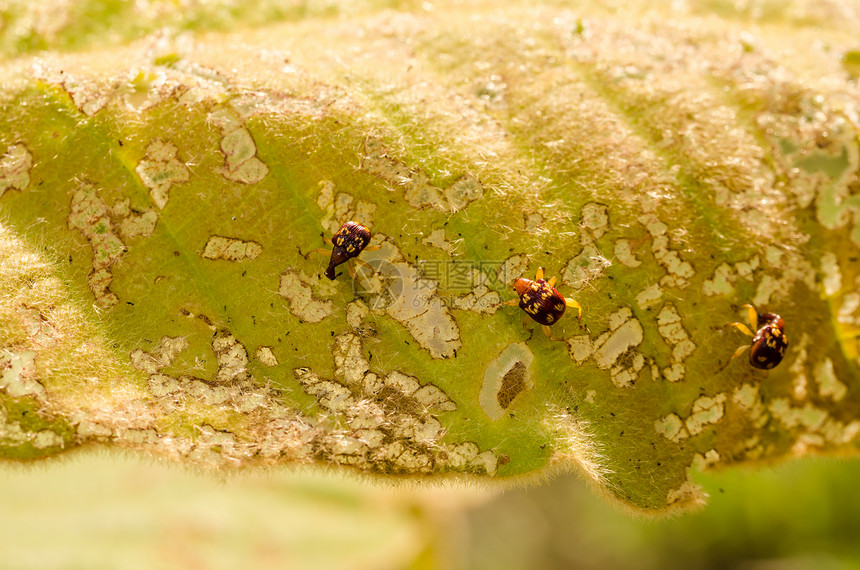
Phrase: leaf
(160, 202)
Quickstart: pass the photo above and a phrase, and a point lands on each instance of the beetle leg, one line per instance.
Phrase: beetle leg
(575, 305)
(363, 264)
(373, 247)
(743, 328)
(548, 333)
(511, 303)
(551, 282)
(319, 251)
(739, 351)
(526, 322)
(753, 316)
(539, 274)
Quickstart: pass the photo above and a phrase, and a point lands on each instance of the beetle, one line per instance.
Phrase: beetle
(348, 242)
(542, 302)
(769, 341)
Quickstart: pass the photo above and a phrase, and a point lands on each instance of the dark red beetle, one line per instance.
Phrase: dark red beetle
(542, 302)
(769, 341)
(348, 241)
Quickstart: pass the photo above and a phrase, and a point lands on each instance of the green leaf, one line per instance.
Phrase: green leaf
(160, 202)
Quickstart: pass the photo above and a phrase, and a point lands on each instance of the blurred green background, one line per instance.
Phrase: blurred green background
(94, 510)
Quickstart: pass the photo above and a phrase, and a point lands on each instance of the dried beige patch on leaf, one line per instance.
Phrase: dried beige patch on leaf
(398, 289)
(232, 358)
(134, 224)
(748, 399)
(266, 356)
(90, 216)
(649, 296)
(829, 385)
(241, 163)
(671, 427)
(679, 271)
(512, 268)
(391, 418)
(706, 410)
(160, 356)
(594, 221)
(688, 494)
(230, 249)
(15, 167)
(480, 299)
(13, 434)
(88, 96)
(624, 253)
(532, 222)
(585, 267)
(298, 290)
(725, 276)
(418, 191)
(505, 378)
(590, 263)
(437, 239)
(160, 169)
(676, 336)
(341, 207)
(615, 349)
(18, 374)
